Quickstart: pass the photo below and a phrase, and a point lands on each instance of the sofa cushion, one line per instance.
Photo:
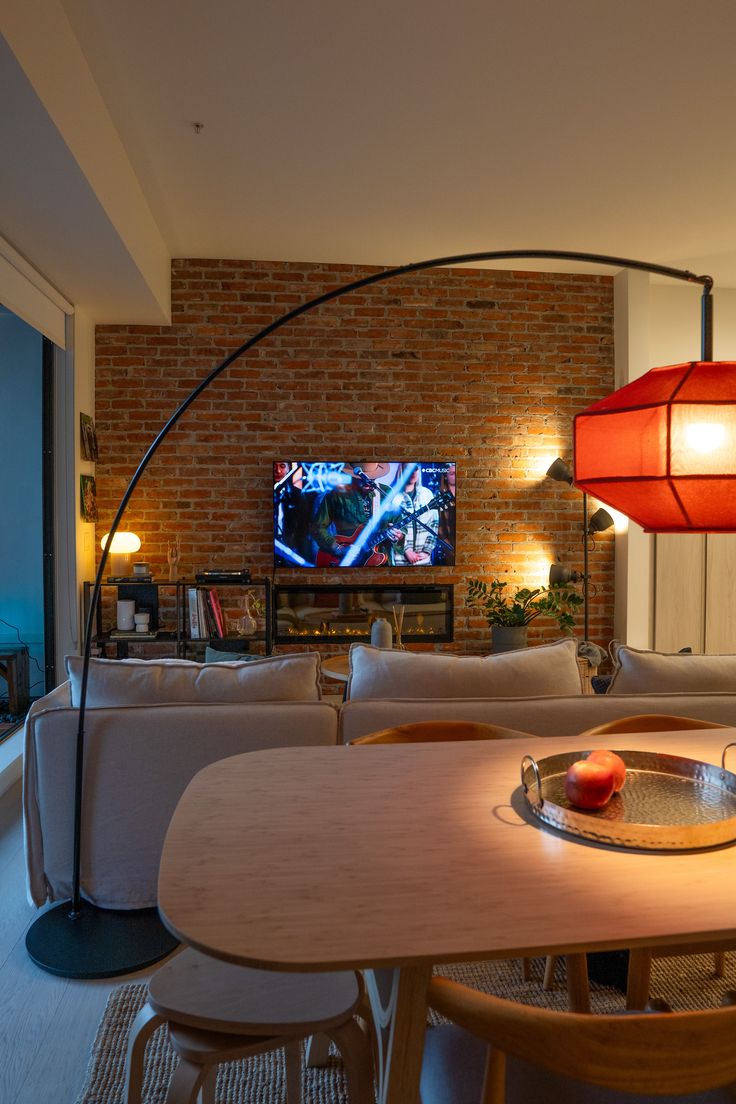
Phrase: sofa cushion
(639, 671)
(390, 673)
(149, 682)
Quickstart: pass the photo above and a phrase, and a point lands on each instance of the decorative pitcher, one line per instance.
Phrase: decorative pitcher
(248, 625)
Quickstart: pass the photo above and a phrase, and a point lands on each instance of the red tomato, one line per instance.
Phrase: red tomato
(613, 761)
(589, 785)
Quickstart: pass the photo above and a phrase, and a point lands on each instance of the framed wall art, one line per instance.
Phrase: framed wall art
(88, 494)
(88, 438)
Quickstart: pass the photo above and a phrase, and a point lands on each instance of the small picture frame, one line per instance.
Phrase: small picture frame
(88, 438)
(88, 492)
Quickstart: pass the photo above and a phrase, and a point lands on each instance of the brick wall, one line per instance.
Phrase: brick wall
(485, 368)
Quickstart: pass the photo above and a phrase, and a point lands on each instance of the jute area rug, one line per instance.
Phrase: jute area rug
(682, 982)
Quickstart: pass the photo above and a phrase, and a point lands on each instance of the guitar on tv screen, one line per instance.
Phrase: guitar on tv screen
(370, 514)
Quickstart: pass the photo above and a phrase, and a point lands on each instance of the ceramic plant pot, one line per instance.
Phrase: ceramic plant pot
(507, 638)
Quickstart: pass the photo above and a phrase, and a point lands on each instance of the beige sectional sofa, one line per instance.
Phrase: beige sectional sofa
(148, 729)
(150, 726)
(535, 690)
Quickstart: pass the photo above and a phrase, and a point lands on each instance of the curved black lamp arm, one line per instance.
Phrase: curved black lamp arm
(311, 304)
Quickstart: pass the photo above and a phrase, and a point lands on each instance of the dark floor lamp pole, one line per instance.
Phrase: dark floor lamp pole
(78, 939)
(586, 580)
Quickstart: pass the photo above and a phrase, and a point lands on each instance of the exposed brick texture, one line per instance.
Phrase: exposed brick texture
(482, 367)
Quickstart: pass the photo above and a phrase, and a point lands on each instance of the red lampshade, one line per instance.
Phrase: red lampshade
(662, 449)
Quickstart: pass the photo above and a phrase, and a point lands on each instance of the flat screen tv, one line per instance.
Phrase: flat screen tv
(370, 514)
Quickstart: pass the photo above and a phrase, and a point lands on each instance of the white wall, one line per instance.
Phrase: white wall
(21, 532)
(634, 561)
(693, 603)
(83, 355)
(674, 328)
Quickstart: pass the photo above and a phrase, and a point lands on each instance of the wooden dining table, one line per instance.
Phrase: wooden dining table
(396, 858)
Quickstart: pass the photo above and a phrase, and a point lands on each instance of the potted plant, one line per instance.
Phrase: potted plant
(509, 612)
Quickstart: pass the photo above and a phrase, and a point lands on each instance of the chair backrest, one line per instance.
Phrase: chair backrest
(678, 1052)
(649, 722)
(425, 732)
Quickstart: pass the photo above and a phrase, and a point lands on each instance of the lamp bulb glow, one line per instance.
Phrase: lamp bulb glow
(122, 542)
(122, 548)
(705, 436)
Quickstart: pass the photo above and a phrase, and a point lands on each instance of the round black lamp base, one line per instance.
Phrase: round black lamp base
(97, 943)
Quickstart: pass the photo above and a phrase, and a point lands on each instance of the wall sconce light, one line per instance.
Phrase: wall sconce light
(559, 575)
(121, 550)
(596, 523)
(599, 521)
(559, 471)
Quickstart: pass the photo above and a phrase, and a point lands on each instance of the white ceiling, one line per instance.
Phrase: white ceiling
(388, 131)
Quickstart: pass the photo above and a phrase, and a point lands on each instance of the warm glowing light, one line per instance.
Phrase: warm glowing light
(620, 521)
(122, 548)
(538, 574)
(122, 542)
(543, 464)
(705, 436)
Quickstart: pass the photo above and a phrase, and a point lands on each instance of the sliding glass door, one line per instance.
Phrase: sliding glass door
(27, 522)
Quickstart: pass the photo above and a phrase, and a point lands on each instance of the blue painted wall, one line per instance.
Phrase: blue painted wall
(21, 540)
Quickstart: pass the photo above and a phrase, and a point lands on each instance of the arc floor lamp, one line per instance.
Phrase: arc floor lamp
(78, 939)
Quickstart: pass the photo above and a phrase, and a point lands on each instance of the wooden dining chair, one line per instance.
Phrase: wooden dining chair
(536, 1054)
(426, 732)
(639, 968)
(648, 722)
(217, 1012)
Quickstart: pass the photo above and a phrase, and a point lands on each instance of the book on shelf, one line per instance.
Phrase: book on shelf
(193, 604)
(146, 578)
(131, 634)
(203, 614)
(214, 601)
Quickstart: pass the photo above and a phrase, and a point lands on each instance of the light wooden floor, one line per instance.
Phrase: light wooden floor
(47, 1024)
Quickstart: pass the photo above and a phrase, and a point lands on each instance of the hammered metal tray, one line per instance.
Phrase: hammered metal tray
(668, 803)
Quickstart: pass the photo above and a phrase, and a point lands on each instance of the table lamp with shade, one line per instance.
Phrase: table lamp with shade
(75, 938)
(121, 551)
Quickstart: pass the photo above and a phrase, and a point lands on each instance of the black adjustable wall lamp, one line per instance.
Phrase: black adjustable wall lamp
(596, 523)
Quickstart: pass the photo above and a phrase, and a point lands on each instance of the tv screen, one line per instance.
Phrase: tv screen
(371, 514)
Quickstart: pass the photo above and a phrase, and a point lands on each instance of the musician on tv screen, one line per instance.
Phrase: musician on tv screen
(444, 552)
(293, 509)
(356, 522)
(419, 540)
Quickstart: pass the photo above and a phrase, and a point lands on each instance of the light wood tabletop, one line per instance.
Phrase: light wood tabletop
(404, 856)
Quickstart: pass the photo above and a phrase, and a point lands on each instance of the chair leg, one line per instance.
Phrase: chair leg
(550, 965)
(494, 1081)
(318, 1049)
(293, 1061)
(354, 1044)
(719, 963)
(526, 969)
(188, 1079)
(207, 1091)
(578, 990)
(141, 1029)
(637, 980)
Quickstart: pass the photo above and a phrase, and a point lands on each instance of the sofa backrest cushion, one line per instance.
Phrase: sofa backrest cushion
(644, 672)
(391, 673)
(149, 682)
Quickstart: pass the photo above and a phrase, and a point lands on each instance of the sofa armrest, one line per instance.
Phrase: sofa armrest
(138, 761)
